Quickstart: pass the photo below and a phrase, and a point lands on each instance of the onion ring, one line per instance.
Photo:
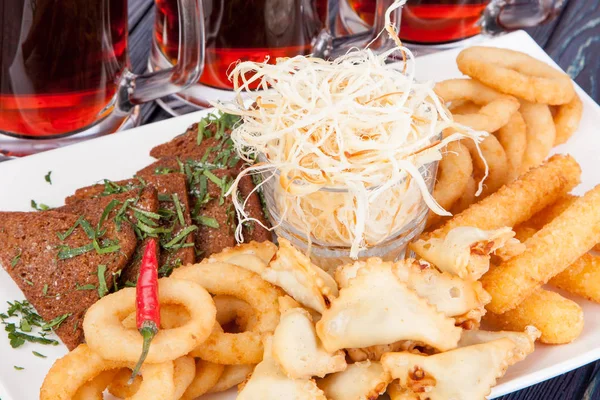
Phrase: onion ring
(567, 119)
(171, 316)
(94, 389)
(82, 365)
(227, 279)
(517, 74)
(467, 198)
(496, 160)
(232, 376)
(207, 375)
(513, 138)
(454, 171)
(496, 107)
(232, 309)
(102, 323)
(183, 374)
(541, 133)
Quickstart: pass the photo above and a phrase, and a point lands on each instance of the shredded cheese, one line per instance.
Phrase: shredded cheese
(346, 140)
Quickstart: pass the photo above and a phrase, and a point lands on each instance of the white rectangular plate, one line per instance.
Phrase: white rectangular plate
(119, 156)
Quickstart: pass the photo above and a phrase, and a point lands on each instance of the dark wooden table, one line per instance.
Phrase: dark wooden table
(572, 40)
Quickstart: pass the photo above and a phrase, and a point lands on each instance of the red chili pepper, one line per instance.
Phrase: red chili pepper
(147, 305)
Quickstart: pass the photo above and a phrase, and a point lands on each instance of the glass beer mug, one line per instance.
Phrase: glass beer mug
(447, 23)
(64, 70)
(251, 30)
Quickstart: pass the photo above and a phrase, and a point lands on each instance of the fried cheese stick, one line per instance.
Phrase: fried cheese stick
(548, 252)
(519, 200)
(560, 320)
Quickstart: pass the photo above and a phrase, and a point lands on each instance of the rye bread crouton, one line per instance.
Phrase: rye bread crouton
(166, 188)
(36, 258)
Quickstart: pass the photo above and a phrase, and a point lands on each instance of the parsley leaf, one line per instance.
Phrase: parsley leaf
(48, 178)
(39, 207)
(102, 288)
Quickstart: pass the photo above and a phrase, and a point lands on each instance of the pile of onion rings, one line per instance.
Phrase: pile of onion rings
(527, 105)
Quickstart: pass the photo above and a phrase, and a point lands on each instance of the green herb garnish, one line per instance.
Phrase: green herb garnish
(89, 286)
(67, 252)
(16, 259)
(55, 323)
(207, 221)
(48, 178)
(39, 207)
(18, 368)
(102, 288)
(45, 289)
(179, 209)
(40, 355)
(23, 324)
(180, 237)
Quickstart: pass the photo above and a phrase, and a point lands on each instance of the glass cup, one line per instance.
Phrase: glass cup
(64, 71)
(439, 24)
(251, 30)
(387, 239)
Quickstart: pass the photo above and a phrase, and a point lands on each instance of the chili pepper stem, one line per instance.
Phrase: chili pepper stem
(148, 331)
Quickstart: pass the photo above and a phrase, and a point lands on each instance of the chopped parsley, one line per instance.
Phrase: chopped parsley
(207, 221)
(48, 178)
(23, 324)
(102, 287)
(39, 207)
(16, 258)
(89, 286)
(40, 355)
(18, 368)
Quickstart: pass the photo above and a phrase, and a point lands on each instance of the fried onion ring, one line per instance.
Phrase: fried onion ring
(232, 309)
(468, 197)
(541, 133)
(207, 376)
(82, 365)
(120, 387)
(227, 279)
(496, 160)
(517, 74)
(567, 119)
(94, 389)
(232, 376)
(102, 323)
(496, 107)
(454, 171)
(513, 138)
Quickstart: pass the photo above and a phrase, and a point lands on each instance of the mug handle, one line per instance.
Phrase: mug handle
(509, 15)
(328, 46)
(137, 89)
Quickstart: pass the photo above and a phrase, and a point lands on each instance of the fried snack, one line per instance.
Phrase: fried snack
(232, 309)
(567, 119)
(120, 387)
(464, 251)
(524, 341)
(541, 133)
(94, 389)
(374, 353)
(362, 380)
(82, 365)
(300, 278)
(517, 74)
(467, 198)
(454, 297)
(464, 373)
(523, 233)
(495, 159)
(550, 251)
(581, 278)
(453, 174)
(228, 279)
(102, 323)
(513, 138)
(549, 213)
(253, 256)
(171, 316)
(373, 309)
(269, 382)
(560, 320)
(496, 107)
(519, 200)
(232, 376)
(207, 375)
(299, 351)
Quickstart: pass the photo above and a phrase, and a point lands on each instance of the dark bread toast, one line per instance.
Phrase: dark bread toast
(34, 236)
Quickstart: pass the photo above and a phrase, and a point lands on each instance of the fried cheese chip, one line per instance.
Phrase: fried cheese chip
(299, 351)
(464, 373)
(378, 308)
(253, 256)
(360, 381)
(524, 341)
(300, 278)
(451, 295)
(465, 251)
(269, 382)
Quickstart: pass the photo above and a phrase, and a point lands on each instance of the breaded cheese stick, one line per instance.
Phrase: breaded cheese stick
(549, 213)
(560, 320)
(581, 278)
(519, 200)
(549, 252)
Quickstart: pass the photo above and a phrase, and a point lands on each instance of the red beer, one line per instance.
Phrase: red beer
(60, 64)
(244, 30)
(431, 21)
